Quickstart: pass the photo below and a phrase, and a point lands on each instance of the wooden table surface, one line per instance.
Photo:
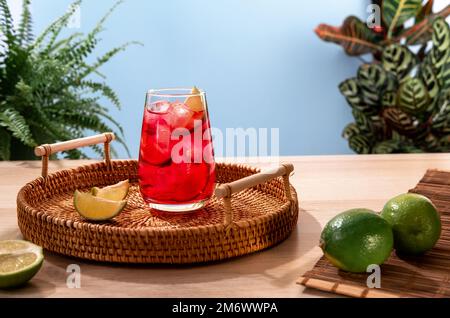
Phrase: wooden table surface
(326, 185)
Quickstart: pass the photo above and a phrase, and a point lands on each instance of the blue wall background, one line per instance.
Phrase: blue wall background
(259, 62)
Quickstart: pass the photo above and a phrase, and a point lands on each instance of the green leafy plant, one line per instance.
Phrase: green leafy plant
(357, 38)
(48, 91)
(402, 103)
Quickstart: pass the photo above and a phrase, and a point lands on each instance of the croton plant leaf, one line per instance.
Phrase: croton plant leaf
(354, 36)
(425, 11)
(397, 12)
(401, 100)
(413, 96)
(398, 60)
(421, 32)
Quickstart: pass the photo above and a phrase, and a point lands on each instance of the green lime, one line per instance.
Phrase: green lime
(355, 239)
(96, 208)
(19, 262)
(415, 222)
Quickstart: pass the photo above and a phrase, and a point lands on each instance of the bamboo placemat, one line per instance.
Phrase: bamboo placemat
(427, 275)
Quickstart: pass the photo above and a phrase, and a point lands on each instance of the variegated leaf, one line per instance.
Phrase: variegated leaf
(400, 121)
(389, 99)
(397, 12)
(441, 35)
(425, 11)
(372, 79)
(380, 130)
(413, 96)
(387, 146)
(398, 60)
(350, 130)
(445, 77)
(363, 122)
(440, 121)
(421, 32)
(429, 142)
(444, 143)
(408, 148)
(354, 36)
(431, 82)
(392, 82)
(360, 144)
(438, 56)
(352, 92)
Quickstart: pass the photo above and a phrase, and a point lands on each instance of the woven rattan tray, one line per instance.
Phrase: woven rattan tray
(250, 212)
(427, 275)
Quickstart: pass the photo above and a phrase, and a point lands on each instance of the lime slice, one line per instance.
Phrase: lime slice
(19, 262)
(95, 208)
(195, 102)
(115, 192)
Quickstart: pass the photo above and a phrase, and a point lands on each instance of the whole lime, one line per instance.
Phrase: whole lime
(355, 239)
(415, 222)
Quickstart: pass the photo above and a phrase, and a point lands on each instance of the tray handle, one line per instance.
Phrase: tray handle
(225, 191)
(46, 150)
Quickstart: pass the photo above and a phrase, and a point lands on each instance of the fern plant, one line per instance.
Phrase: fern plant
(48, 91)
(357, 38)
(402, 103)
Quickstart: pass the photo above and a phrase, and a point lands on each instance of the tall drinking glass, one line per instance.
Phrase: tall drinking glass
(176, 157)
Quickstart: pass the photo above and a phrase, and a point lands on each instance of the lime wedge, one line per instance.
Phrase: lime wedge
(95, 208)
(19, 262)
(195, 102)
(115, 192)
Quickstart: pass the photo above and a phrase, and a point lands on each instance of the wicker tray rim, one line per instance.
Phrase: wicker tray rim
(218, 227)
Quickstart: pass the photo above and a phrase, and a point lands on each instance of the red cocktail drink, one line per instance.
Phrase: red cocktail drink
(176, 160)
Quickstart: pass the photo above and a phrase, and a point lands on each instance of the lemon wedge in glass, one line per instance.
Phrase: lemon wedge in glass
(195, 102)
